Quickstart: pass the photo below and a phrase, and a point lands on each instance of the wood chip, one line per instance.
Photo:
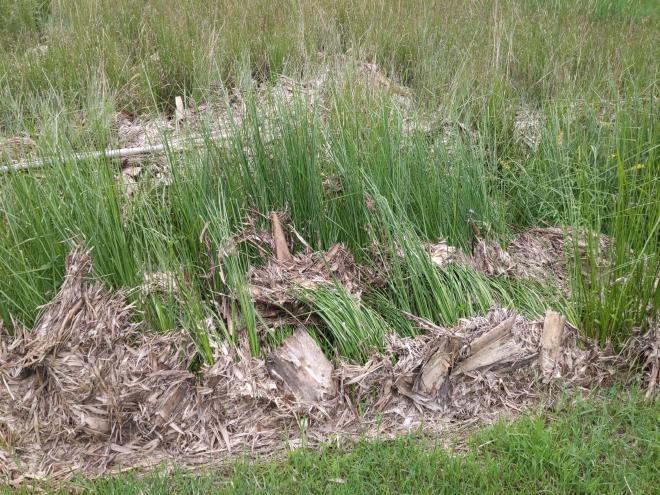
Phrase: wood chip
(553, 331)
(301, 365)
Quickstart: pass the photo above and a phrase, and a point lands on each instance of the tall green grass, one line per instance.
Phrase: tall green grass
(452, 53)
(349, 170)
(186, 227)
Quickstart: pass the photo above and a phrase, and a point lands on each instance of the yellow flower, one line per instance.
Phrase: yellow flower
(560, 138)
(639, 166)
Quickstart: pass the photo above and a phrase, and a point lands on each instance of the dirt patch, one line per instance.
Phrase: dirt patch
(89, 391)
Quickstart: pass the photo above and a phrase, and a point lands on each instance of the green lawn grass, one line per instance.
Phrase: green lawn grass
(609, 443)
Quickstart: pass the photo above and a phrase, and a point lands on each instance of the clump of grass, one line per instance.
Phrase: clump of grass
(624, 294)
(395, 193)
(349, 326)
(414, 282)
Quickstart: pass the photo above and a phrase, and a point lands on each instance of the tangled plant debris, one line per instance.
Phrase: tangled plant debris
(540, 253)
(88, 390)
(277, 285)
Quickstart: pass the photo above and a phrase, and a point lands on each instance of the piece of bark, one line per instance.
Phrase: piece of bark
(491, 347)
(281, 249)
(301, 365)
(433, 378)
(498, 332)
(500, 352)
(553, 332)
(180, 110)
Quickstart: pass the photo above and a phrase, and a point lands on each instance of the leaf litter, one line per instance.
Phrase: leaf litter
(276, 286)
(88, 390)
(539, 253)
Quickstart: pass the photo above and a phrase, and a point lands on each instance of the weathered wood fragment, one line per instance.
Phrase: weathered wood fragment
(180, 110)
(301, 365)
(495, 346)
(553, 331)
(433, 378)
(280, 247)
(500, 352)
(498, 332)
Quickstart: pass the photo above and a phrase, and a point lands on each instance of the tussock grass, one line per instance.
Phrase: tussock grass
(586, 69)
(349, 327)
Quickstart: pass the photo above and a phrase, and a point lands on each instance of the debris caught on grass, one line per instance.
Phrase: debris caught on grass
(89, 391)
(527, 128)
(17, 147)
(541, 254)
(164, 283)
(491, 259)
(441, 253)
(650, 356)
(277, 285)
(644, 349)
(144, 140)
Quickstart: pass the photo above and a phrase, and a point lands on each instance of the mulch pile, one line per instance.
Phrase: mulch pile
(89, 391)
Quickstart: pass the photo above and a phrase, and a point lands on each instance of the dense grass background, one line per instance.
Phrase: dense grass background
(601, 445)
(587, 68)
(469, 56)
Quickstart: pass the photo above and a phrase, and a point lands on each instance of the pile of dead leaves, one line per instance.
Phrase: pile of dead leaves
(276, 287)
(88, 390)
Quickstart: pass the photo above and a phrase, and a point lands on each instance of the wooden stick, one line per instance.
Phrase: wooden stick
(281, 250)
(175, 145)
(180, 111)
